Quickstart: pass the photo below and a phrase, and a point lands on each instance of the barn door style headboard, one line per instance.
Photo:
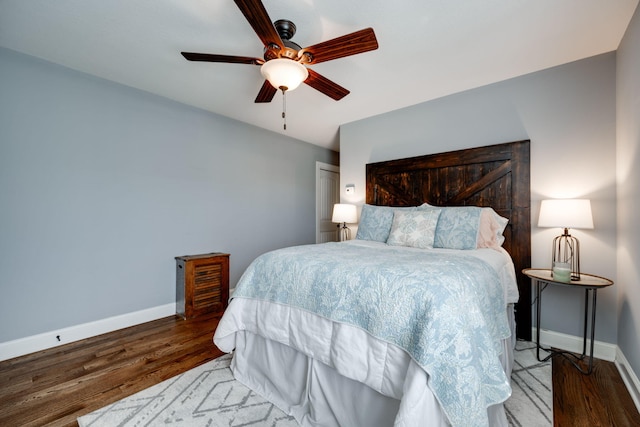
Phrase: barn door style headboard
(494, 176)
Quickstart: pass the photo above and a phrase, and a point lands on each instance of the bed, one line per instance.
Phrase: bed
(412, 327)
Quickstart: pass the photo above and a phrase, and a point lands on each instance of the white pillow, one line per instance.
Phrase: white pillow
(490, 229)
(414, 228)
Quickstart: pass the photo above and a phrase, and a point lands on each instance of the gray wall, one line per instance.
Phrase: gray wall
(101, 186)
(628, 172)
(568, 113)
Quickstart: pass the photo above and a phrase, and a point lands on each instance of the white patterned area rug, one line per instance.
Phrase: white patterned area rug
(209, 396)
(206, 395)
(531, 401)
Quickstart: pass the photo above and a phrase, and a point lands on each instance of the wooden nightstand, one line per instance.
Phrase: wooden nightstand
(202, 284)
(589, 283)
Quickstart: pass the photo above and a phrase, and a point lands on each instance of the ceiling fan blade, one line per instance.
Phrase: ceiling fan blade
(266, 93)
(209, 57)
(350, 44)
(326, 86)
(256, 14)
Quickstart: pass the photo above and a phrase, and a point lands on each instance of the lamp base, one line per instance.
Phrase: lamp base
(566, 249)
(345, 233)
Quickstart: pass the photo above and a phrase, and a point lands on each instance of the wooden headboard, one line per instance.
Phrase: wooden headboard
(496, 176)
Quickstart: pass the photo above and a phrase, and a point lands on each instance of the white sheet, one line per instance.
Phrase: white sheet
(357, 381)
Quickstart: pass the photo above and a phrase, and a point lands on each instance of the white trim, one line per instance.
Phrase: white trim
(22, 346)
(629, 377)
(601, 350)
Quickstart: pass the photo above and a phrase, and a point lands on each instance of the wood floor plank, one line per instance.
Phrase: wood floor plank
(55, 386)
(599, 399)
(142, 360)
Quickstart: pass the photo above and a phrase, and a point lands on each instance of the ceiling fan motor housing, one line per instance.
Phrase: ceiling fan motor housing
(286, 29)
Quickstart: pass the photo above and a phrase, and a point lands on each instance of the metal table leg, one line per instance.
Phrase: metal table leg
(566, 354)
(594, 295)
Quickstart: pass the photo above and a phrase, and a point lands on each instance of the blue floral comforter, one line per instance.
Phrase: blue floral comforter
(447, 310)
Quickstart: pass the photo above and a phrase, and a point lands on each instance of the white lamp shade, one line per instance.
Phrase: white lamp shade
(284, 73)
(343, 212)
(566, 213)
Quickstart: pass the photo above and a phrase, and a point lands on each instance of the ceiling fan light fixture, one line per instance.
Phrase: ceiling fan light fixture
(283, 73)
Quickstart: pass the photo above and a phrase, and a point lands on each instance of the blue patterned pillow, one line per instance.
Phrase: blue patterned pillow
(375, 223)
(458, 228)
(414, 228)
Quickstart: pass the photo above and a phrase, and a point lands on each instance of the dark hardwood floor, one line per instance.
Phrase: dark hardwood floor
(598, 399)
(55, 386)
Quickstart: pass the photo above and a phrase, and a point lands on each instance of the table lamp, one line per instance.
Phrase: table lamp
(344, 213)
(566, 214)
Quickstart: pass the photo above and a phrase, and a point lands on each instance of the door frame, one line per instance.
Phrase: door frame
(328, 167)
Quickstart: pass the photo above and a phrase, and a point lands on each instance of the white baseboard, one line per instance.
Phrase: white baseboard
(601, 350)
(629, 377)
(22, 346)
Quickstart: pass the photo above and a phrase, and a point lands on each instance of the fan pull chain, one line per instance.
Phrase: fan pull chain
(284, 107)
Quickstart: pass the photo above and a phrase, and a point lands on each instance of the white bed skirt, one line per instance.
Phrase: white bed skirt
(317, 394)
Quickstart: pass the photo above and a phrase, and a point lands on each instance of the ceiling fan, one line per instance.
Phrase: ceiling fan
(284, 62)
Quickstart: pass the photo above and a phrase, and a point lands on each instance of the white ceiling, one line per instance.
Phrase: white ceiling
(428, 49)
